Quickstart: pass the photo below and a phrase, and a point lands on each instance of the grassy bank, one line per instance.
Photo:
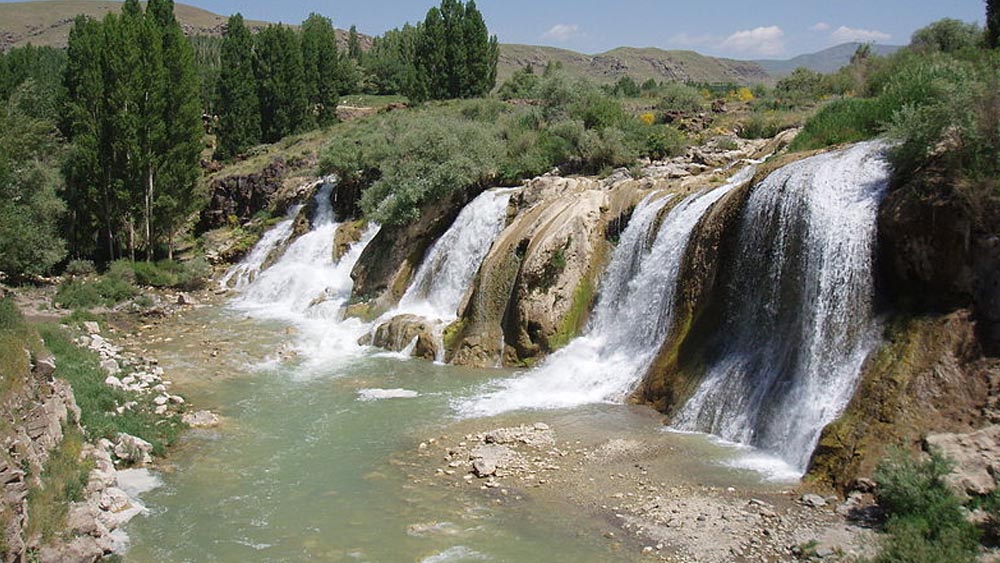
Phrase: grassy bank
(98, 402)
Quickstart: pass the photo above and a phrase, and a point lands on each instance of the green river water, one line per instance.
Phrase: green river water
(302, 470)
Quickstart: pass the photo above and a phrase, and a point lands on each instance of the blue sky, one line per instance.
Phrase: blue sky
(740, 29)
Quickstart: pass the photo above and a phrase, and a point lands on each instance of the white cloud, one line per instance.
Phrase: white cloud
(762, 41)
(820, 26)
(561, 32)
(844, 34)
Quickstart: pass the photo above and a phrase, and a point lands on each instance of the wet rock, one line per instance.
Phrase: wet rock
(487, 459)
(132, 450)
(401, 331)
(201, 419)
(813, 501)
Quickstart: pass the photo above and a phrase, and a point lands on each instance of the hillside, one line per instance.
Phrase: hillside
(826, 61)
(47, 22)
(639, 63)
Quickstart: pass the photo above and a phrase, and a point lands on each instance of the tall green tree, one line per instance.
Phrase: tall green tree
(321, 68)
(993, 23)
(280, 81)
(30, 209)
(238, 106)
(87, 185)
(430, 59)
(354, 45)
(172, 192)
(482, 54)
(390, 62)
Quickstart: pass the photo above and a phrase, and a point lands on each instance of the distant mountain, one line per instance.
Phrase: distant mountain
(640, 64)
(826, 61)
(47, 22)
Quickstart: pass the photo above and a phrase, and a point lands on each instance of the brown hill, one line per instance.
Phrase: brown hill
(47, 22)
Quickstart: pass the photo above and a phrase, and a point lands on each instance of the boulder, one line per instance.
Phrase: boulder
(111, 366)
(91, 327)
(201, 419)
(132, 450)
(399, 332)
(487, 459)
(45, 367)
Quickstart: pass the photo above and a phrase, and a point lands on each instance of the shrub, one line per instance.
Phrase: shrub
(680, 97)
(80, 268)
(664, 142)
(843, 121)
(926, 521)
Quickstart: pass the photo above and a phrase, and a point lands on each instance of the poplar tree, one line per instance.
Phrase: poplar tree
(239, 107)
(321, 66)
(354, 45)
(181, 145)
(482, 54)
(993, 23)
(279, 70)
(87, 184)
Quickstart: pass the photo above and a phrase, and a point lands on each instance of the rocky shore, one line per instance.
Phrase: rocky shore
(621, 483)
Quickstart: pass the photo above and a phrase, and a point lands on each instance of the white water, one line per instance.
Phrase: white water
(454, 259)
(800, 311)
(243, 274)
(308, 290)
(452, 262)
(632, 318)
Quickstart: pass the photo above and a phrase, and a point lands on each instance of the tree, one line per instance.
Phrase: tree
(280, 81)
(454, 56)
(30, 209)
(239, 107)
(83, 124)
(947, 36)
(179, 153)
(482, 53)
(993, 23)
(354, 45)
(390, 61)
(321, 68)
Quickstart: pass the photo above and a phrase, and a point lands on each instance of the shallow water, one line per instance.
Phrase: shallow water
(323, 468)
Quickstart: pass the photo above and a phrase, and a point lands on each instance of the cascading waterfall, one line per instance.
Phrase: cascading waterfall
(308, 289)
(452, 262)
(799, 314)
(632, 318)
(242, 275)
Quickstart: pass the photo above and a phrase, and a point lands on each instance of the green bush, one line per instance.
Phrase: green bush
(663, 141)
(186, 276)
(680, 97)
(926, 522)
(80, 268)
(115, 286)
(843, 121)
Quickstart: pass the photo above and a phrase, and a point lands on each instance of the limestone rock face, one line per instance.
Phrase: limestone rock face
(346, 235)
(976, 456)
(389, 261)
(400, 331)
(537, 284)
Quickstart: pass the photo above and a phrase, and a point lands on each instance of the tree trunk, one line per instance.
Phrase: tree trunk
(149, 213)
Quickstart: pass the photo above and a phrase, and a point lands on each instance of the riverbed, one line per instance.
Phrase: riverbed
(340, 462)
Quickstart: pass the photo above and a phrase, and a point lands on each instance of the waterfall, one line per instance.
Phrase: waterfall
(799, 316)
(242, 275)
(308, 289)
(452, 262)
(632, 318)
